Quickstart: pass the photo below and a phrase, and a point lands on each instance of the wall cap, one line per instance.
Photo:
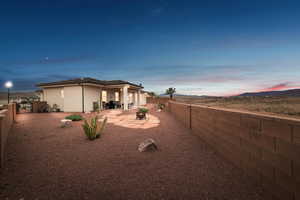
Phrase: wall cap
(289, 120)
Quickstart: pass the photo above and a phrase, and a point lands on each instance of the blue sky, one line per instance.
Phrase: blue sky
(200, 47)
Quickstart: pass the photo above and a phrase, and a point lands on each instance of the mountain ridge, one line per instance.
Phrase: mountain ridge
(290, 93)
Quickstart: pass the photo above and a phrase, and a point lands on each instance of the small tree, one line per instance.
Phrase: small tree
(171, 91)
(152, 94)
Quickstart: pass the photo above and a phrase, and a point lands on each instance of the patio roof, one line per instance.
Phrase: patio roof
(88, 80)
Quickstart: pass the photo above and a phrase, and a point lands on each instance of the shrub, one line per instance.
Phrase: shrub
(161, 106)
(94, 128)
(143, 110)
(74, 117)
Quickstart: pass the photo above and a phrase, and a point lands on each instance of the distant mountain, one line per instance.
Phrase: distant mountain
(183, 95)
(289, 93)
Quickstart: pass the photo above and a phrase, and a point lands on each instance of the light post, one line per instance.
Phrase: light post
(8, 85)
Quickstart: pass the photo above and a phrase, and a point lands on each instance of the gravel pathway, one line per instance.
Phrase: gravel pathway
(45, 161)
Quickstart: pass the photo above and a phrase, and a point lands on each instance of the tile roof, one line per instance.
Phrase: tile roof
(88, 80)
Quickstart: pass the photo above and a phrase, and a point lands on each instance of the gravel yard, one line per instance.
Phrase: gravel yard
(45, 161)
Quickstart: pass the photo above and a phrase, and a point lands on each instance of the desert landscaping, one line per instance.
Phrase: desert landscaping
(45, 161)
(150, 100)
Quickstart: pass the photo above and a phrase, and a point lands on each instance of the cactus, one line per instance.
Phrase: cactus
(94, 128)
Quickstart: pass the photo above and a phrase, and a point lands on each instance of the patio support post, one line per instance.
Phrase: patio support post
(125, 97)
(136, 99)
(139, 98)
(100, 101)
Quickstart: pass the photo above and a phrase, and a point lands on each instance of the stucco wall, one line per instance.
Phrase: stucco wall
(91, 94)
(53, 96)
(265, 147)
(73, 99)
(143, 99)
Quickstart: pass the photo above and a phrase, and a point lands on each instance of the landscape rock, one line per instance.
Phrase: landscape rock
(147, 145)
(65, 123)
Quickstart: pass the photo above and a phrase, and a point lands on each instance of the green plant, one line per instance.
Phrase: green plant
(94, 128)
(74, 117)
(143, 110)
(171, 92)
(152, 94)
(161, 106)
(95, 106)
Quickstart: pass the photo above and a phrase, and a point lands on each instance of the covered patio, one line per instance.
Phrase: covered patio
(125, 97)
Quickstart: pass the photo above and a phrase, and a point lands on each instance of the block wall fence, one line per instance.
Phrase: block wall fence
(7, 118)
(267, 148)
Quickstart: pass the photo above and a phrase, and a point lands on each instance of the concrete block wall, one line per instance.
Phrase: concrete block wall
(267, 148)
(7, 117)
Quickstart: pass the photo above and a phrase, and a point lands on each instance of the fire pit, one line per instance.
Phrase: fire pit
(141, 113)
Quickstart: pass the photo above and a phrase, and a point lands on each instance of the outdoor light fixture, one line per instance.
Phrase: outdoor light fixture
(8, 85)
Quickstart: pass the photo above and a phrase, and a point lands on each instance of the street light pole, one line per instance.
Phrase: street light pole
(7, 96)
(8, 85)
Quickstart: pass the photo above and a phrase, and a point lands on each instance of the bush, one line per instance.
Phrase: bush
(94, 128)
(74, 117)
(161, 106)
(143, 110)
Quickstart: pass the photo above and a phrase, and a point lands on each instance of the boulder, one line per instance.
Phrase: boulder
(65, 123)
(147, 145)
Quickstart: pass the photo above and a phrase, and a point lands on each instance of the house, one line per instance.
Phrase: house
(88, 94)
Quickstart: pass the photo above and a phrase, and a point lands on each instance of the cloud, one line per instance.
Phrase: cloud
(278, 86)
(281, 86)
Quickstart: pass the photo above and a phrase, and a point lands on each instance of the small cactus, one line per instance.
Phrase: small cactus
(94, 128)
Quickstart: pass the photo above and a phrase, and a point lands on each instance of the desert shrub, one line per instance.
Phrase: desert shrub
(95, 106)
(161, 106)
(94, 128)
(143, 110)
(74, 117)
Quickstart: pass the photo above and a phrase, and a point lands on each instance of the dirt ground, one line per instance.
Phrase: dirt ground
(45, 161)
(278, 106)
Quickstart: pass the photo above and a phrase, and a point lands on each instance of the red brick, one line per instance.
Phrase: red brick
(296, 170)
(288, 149)
(277, 161)
(277, 129)
(296, 134)
(264, 141)
(286, 181)
(250, 122)
(266, 169)
(228, 117)
(232, 129)
(297, 195)
(279, 192)
(251, 148)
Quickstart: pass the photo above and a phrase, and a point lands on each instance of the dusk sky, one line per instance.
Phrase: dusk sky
(199, 47)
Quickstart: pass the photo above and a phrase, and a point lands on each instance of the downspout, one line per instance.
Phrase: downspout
(82, 94)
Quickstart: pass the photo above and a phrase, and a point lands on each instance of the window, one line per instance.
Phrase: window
(104, 96)
(117, 98)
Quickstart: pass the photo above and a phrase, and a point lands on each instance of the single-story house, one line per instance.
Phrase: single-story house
(88, 94)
